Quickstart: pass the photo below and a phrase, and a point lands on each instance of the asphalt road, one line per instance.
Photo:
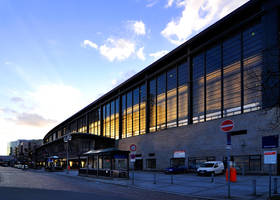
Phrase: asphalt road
(16, 184)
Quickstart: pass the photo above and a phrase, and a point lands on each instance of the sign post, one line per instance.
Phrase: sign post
(67, 138)
(270, 158)
(132, 159)
(227, 126)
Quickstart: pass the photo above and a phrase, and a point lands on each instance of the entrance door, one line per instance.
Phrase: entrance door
(278, 164)
(138, 165)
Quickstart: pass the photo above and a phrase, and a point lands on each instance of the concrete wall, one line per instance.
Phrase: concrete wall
(205, 139)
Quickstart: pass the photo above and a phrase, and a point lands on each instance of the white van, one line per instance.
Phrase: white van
(211, 167)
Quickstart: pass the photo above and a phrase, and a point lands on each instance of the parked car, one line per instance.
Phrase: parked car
(24, 166)
(211, 167)
(18, 166)
(175, 170)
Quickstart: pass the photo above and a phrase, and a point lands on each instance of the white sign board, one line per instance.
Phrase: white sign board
(179, 154)
(270, 157)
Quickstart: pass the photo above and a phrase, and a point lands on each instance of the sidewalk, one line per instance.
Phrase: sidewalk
(192, 185)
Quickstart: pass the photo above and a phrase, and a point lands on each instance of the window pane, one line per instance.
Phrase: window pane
(183, 94)
(108, 131)
(198, 88)
(73, 127)
(153, 105)
(161, 89)
(112, 119)
(104, 120)
(129, 114)
(98, 119)
(143, 109)
(136, 111)
(252, 65)
(172, 98)
(232, 76)
(124, 116)
(82, 126)
(213, 83)
(117, 121)
(91, 122)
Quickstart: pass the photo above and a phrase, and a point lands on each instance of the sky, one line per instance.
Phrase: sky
(56, 57)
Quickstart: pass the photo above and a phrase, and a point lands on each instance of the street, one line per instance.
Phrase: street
(16, 184)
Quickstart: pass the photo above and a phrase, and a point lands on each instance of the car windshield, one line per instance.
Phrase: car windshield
(207, 165)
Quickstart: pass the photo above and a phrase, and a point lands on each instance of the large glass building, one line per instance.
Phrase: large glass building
(172, 110)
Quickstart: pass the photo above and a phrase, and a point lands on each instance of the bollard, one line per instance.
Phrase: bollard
(155, 178)
(243, 171)
(275, 185)
(171, 178)
(212, 177)
(133, 177)
(254, 184)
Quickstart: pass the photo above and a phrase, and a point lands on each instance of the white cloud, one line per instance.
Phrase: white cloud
(196, 15)
(8, 63)
(33, 119)
(158, 54)
(140, 54)
(40, 109)
(139, 28)
(89, 43)
(169, 3)
(117, 49)
(151, 3)
(55, 101)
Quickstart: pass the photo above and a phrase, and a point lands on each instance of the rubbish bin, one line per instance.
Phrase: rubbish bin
(232, 175)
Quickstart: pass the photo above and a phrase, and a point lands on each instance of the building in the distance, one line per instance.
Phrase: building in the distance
(24, 151)
(172, 110)
(11, 148)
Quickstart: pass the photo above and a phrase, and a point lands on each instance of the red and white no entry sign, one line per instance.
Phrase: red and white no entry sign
(227, 125)
(132, 147)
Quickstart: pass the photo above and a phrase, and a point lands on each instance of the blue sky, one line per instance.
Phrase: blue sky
(56, 57)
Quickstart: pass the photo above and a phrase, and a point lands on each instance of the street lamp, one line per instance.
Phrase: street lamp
(67, 138)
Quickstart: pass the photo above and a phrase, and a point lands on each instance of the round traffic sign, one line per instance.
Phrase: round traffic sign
(132, 147)
(227, 125)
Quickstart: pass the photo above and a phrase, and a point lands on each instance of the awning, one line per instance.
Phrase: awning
(105, 151)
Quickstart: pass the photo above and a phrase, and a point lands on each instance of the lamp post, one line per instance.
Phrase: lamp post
(67, 138)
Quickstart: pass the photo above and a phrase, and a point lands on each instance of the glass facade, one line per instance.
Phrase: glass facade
(213, 83)
(82, 125)
(153, 103)
(129, 114)
(161, 101)
(117, 119)
(171, 98)
(232, 76)
(252, 65)
(221, 80)
(136, 112)
(183, 94)
(198, 88)
(124, 116)
(143, 99)
(94, 122)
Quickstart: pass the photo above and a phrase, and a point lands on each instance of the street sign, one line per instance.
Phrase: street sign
(179, 154)
(132, 157)
(227, 125)
(270, 141)
(132, 147)
(270, 157)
